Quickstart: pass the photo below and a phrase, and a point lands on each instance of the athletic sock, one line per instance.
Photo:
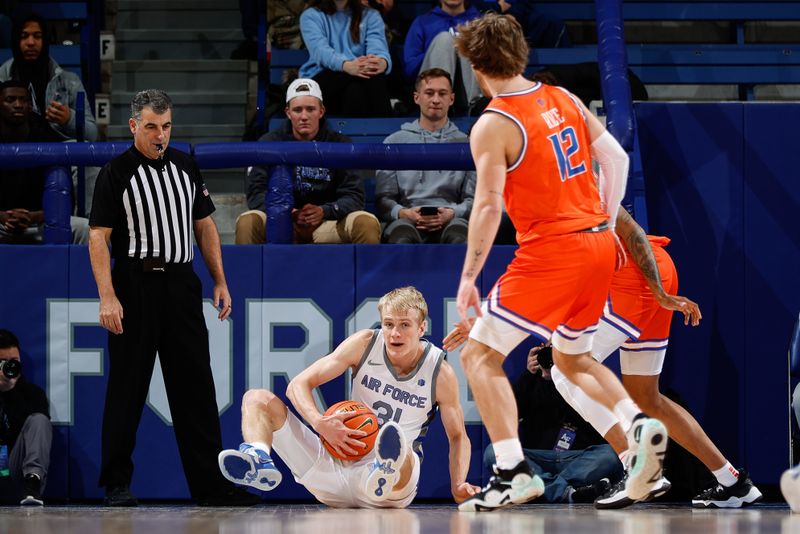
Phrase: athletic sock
(508, 453)
(727, 475)
(261, 446)
(626, 411)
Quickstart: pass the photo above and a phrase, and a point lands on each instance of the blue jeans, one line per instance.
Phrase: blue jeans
(561, 470)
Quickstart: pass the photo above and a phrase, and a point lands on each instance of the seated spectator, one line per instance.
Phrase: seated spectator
(53, 90)
(541, 30)
(349, 56)
(328, 203)
(426, 206)
(283, 22)
(25, 429)
(429, 44)
(21, 190)
(573, 460)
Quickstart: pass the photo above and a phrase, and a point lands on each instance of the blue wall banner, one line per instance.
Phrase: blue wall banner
(722, 190)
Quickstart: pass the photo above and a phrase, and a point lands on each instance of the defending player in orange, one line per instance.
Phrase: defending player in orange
(533, 148)
(637, 321)
(403, 378)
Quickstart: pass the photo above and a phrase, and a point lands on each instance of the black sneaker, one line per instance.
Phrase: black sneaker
(590, 492)
(32, 492)
(119, 496)
(740, 494)
(617, 495)
(232, 496)
(505, 488)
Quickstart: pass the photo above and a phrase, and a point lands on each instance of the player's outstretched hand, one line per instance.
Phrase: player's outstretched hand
(457, 336)
(689, 309)
(622, 258)
(464, 491)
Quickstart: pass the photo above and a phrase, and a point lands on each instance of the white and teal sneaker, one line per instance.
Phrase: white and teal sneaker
(390, 453)
(249, 467)
(506, 488)
(647, 439)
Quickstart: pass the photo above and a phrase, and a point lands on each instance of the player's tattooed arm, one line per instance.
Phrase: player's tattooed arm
(474, 263)
(639, 247)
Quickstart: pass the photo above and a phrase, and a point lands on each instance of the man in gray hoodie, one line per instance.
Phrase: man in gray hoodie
(426, 206)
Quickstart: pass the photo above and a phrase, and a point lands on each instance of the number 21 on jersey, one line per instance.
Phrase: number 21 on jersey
(565, 144)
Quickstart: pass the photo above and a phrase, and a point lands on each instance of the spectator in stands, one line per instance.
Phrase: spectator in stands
(54, 91)
(429, 44)
(21, 190)
(541, 30)
(349, 56)
(574, 461)
(427, 206)
(328, 203)
(25, 429)
(283, 23)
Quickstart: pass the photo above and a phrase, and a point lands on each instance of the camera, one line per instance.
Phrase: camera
(11, 368)
(545, 357)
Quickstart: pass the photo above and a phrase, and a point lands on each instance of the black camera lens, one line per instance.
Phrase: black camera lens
(11, 368)
(545, 357)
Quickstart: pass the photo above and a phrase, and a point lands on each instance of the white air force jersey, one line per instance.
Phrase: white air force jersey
(408, 400)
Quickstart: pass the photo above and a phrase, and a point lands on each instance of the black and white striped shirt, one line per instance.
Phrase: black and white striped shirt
(150, 205)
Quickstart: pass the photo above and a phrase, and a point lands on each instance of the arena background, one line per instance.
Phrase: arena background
(721, 182)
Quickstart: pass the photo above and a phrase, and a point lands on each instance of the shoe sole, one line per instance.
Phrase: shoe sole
(236, 466)
(648, 467)
(390, 448)
(30, 500)
(790, 487)
(753, 496)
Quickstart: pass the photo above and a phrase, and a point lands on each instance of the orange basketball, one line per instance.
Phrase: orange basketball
(360, 417)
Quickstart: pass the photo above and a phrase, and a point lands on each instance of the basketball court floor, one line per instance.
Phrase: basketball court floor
(419, 519)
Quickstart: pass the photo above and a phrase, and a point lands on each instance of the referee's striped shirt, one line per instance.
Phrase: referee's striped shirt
(150, 205)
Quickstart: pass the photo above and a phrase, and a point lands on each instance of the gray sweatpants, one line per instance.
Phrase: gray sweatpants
(31, 452)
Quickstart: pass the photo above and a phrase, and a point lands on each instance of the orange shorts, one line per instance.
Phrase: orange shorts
(556, 287)
(632, 309)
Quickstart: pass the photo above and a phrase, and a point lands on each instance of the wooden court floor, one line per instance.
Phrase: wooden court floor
(419, 519)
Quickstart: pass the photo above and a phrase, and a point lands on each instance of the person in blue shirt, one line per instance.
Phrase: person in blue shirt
(429, 44)
(349, 57)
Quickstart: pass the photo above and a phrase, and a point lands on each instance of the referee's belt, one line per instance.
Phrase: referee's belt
(153, 265)
(599, 228)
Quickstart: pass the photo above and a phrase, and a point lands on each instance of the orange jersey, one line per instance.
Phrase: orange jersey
(551, 189)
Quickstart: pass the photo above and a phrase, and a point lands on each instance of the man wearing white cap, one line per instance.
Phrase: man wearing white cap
(328, 203)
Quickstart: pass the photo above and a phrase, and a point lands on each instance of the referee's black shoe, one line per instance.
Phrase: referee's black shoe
(230, 496)
(119, 496)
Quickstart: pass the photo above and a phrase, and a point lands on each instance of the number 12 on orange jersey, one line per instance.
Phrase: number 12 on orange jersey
(565, 144)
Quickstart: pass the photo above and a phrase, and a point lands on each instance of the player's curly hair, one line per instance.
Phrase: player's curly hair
(403, 299)
(494, 44)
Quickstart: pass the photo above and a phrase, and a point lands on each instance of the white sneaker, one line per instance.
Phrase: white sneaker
(506, 488)
(390, 453)
(790, 487)
(249, 467)
(647, 439)
(617, 497)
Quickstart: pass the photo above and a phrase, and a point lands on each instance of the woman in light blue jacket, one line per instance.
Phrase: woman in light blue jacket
(349, 57)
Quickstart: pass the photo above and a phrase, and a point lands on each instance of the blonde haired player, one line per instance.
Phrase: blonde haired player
(403, 378)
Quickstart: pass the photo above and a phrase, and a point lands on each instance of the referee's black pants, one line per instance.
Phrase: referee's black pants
(162, 312)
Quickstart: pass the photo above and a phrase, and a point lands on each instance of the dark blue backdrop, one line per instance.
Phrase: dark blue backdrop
(721, 182)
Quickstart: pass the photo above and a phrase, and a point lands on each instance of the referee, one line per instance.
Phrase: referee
(147, 201)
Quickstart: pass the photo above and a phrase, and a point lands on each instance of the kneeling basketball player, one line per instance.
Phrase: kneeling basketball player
(403, 378)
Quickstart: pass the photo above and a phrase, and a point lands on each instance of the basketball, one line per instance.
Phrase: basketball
(359, 418)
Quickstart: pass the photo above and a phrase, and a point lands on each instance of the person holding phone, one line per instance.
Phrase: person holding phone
(426, 206)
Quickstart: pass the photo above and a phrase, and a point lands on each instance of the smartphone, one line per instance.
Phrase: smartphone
(428, 210)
